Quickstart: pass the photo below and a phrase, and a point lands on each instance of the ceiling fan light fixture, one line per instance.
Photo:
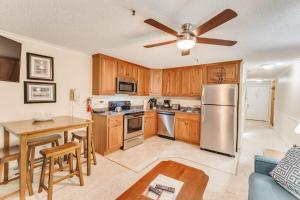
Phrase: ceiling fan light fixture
(185, 44)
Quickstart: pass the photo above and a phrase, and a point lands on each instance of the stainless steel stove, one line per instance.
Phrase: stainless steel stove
(133, 131)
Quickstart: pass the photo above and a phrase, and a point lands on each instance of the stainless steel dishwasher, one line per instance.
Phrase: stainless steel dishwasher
(166, 121)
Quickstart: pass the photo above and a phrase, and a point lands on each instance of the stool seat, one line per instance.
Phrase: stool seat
(11, 154)
(43, 140)
(60, 150)
(80, 135)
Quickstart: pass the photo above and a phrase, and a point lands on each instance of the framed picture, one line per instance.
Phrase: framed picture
(39, 92)
(39, 67)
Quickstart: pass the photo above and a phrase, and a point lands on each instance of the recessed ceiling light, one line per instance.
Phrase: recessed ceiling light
(268, 66)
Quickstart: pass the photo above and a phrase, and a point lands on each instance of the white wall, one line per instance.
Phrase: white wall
(287, 104)
(71, 70)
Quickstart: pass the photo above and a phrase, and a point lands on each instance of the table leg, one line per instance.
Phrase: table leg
(6, 147)
(23, 166)
(66, 140)
(89, 137)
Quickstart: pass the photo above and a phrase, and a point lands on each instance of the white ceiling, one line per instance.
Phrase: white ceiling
(266, 30)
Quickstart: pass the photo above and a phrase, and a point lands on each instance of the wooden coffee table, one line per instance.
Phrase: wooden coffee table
(195, 181)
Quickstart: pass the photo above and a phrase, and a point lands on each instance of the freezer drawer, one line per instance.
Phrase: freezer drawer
(220, 94)
(219, 129)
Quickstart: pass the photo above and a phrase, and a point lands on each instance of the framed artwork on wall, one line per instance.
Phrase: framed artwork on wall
(40, 67)
(39, 92)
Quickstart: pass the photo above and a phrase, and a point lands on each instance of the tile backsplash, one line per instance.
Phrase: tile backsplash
(102, 101)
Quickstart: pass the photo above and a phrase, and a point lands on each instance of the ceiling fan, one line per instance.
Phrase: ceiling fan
(188, 36)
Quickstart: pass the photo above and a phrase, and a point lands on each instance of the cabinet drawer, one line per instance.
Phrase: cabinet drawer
(188, 116)
(115, 121)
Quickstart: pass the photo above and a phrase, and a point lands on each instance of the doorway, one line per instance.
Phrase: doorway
(258, 95)
(273, 92)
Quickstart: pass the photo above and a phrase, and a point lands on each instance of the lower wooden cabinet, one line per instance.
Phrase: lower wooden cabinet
(187, 127)
(150, 123)
(108, 133)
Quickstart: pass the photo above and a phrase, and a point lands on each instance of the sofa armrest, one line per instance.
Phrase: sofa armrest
(264, 165)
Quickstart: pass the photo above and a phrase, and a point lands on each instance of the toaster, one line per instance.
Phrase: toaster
(175, 106)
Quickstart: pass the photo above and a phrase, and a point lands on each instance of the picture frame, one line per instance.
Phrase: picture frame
(40, 67)
(39, 92)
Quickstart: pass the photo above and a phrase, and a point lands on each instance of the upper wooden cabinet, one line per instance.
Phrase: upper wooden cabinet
(171, 82)
(227, 72)
(127, 70)
(143, 81)
(191, 81)
(104, 75)
(155, 82)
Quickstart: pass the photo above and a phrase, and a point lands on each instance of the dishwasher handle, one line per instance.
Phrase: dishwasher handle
(166, 113)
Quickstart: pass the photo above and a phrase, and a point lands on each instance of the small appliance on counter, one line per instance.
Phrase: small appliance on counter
(175, 107)
(153, 103)
(167, 103)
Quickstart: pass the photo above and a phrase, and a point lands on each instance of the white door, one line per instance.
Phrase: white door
(258, 99)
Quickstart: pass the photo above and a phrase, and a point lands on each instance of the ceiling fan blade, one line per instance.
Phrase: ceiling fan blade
(185, 52)
(160, 44)
(215, 41)
(160, 26)
(218, 20)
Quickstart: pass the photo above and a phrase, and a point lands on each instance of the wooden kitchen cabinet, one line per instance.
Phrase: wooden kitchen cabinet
(227, 72)
(170, 83)
(143, 81)
(127, 70)
(108, 133)
(104, 75)
(155, 82)
(150, 124)
(191, 81)
(187, 127)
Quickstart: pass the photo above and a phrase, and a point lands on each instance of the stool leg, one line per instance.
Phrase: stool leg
(50, 181)
(93, 151)
(71, 162)
(84, 148)
(79, 167)
(58, 159)
(1, 171)
(43, 174)
(32, 158)
(29, 185)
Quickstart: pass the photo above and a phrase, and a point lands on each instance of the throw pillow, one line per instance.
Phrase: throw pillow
(287, 172)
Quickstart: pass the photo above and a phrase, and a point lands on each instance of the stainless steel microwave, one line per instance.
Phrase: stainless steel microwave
(126, 86)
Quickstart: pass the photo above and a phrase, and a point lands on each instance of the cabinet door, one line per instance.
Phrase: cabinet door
(134, 74)
(194, 131)
(146, 81)
(174, 82)
(181, 129)
(141, 81)
(213, 74)
(196, 82)
(155, 82)
(230, 73)
(108, 76)
(115, 133)
(122, 69)
(186, 82)
(166, 82)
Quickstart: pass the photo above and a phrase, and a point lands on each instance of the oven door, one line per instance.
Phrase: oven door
(133, 126)
(126, 86)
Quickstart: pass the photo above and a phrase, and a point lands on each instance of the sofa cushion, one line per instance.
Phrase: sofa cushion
(287, 172)
(263, 187)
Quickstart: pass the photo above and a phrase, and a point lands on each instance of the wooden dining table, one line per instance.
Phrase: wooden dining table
(27, 129)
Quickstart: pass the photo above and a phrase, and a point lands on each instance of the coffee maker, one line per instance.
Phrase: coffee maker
(167, 103)
(153, 103)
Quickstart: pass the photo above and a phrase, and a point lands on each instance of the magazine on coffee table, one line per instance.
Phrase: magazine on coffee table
(167, 181)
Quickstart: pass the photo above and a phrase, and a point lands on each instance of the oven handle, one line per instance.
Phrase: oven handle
(134, 116)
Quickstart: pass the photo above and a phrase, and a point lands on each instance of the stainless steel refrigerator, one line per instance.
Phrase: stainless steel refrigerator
(219, 118)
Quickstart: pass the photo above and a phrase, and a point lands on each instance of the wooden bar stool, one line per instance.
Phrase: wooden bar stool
(55, 153)
(6, 156)
(39, 141)
(82, 139)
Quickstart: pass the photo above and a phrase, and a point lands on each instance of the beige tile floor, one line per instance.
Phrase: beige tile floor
(109, 179)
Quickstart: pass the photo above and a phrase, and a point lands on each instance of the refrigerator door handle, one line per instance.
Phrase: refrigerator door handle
(202, 114)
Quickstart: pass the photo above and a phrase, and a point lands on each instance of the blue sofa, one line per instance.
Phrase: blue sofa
(261, 184)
